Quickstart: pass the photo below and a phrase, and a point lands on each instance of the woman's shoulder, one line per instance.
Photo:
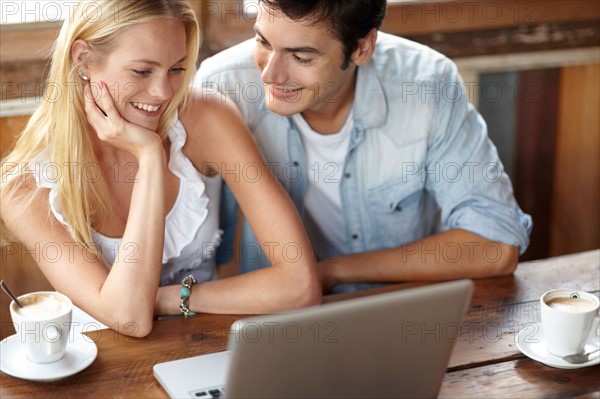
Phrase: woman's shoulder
(207, 107)
(211, 120)
(30, 176)
(20, 198)
(24, 187)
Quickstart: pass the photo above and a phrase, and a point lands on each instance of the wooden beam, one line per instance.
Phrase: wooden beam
(516, 39)
(28, 43)
(23, 79)
(466, 15)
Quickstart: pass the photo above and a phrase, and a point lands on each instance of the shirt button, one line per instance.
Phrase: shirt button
(355, 236)
(296, 163)
(347, 175)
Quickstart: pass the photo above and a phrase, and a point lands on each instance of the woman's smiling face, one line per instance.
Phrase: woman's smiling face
(143, 71)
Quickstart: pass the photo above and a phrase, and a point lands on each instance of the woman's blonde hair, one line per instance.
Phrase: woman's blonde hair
(58, 127)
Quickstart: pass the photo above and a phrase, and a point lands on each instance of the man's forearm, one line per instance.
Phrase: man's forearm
(445, 256)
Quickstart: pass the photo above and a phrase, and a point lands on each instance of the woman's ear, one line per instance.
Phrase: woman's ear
(81, 55)
(365, 49)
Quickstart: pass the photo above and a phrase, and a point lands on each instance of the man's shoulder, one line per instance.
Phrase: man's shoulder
(237, 58)
(388, 43)
(399, 56)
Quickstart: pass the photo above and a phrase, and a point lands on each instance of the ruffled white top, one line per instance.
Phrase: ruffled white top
(192, 233)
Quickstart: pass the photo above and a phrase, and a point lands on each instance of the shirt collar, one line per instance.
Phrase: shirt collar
(370, 105)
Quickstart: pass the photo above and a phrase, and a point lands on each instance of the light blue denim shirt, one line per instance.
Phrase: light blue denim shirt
(419, 160)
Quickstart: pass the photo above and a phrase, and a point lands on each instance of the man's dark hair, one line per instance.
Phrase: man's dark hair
(348, 20)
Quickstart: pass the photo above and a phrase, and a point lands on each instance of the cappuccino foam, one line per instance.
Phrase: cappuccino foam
(571, 304)
(42, 306)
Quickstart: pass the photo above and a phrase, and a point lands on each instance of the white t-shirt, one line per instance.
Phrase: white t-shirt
(325, 158)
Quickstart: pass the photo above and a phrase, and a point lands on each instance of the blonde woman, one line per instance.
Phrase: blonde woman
(122, 171)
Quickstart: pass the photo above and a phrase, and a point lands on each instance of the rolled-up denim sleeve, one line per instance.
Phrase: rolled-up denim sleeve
(465, 174)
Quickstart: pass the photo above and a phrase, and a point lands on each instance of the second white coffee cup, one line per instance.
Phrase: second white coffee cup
(569, 319)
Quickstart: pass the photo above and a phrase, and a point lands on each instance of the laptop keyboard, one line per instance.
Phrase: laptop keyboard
(215, 392)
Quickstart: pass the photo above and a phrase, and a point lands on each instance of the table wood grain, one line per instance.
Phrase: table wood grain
(485, 361)
(522, 378)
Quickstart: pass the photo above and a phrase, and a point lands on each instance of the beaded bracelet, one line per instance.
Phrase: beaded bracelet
(185, 292)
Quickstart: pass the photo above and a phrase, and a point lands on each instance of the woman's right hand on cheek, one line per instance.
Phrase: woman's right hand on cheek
(110, 126)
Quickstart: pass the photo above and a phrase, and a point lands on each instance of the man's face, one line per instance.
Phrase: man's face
(300, 64)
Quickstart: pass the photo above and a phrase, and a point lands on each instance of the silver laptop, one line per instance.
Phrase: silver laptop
(388, 345)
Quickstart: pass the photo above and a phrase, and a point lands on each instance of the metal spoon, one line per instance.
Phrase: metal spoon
(579, 358)
(10, 294)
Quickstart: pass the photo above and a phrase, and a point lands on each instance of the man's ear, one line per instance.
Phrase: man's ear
(365, 49)
(81, 53)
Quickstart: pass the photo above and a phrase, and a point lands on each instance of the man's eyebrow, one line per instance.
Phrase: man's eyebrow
(301, 49)
(156, 63)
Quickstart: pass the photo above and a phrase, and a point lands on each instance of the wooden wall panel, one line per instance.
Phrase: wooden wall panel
(9, 131)
(17, 267)
(536, 124)
(576, 194)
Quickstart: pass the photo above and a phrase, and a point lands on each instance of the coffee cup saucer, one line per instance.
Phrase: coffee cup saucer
(532, 344)
(81, 351)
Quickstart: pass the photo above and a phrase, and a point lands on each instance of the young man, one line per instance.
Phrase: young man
(376, 143)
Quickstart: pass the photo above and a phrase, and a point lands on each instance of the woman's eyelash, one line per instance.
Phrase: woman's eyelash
(140, 72)
(144, 73)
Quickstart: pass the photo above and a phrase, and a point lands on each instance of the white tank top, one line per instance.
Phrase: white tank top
(192, 232)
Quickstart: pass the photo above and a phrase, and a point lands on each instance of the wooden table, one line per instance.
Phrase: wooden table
(485, 362)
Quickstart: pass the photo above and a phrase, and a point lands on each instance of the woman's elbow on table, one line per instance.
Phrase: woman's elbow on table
(297, 290)
(136, 325)
(143, 331)
(313, 296)
(309, 294)
(135, 329)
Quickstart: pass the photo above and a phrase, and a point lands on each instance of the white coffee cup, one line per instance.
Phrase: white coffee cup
(569, 319)
(43, 324)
